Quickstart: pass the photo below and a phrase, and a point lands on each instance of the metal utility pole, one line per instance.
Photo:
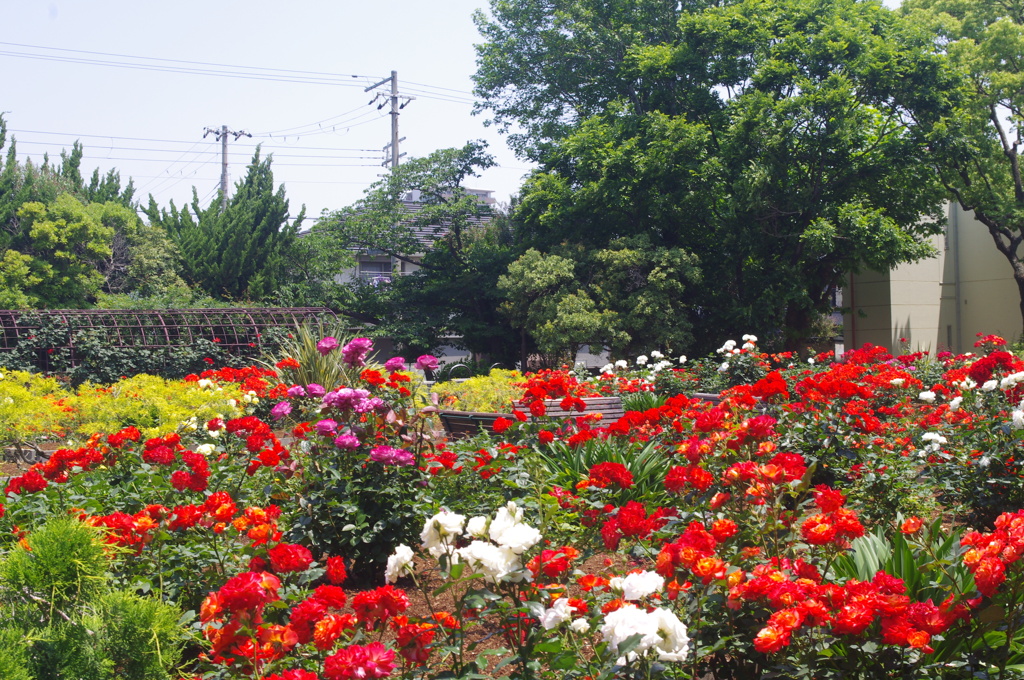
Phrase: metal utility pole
(222, 137)
(395, 108)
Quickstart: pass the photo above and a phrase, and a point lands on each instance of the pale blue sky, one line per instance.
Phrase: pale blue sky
(324, 165)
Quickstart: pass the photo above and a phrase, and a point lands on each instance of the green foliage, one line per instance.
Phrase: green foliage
(152, 404)
(63, 621)
(68, 242)
(238, 253)
(763, 143)
(97, 360)
(495, 392)
(563, 465)
(29, 410)
(465, 245)
(972, 126)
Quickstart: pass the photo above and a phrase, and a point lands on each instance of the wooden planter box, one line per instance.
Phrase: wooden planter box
(461, 424)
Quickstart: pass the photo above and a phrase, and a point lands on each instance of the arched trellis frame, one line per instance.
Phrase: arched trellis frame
(237, 330)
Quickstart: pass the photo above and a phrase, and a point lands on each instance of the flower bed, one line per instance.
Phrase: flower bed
(858, 518)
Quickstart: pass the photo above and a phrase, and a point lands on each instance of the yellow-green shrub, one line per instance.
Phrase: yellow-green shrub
(494, 392)
(152, 404)
(31, 407)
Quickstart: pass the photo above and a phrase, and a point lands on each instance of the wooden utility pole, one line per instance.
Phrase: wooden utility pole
(222, 137)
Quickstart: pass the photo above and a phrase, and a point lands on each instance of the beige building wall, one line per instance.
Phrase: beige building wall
(939, 303)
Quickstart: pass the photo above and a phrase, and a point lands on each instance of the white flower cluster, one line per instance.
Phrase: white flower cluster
(497, 559)
(933, 444)
(661, 363)
(660, 631)
(1011, 381)
(728, 348)
(927, 396)
(638, 586)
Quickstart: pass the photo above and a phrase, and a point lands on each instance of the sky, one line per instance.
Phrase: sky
(138, 82)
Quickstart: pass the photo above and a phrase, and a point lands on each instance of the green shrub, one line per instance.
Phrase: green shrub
(60, 619)
(30, 408)
(152, 404)
(491, 393)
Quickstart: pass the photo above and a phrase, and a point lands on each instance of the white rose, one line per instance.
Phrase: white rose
(954, 404)
(682, 359)
(559, 612)
(580, 626)
(675, 642)
(639, 586)
(749, 338)
(989, 386)
(518, 538)
(438, 529)
(657, 355)
(927, 396)
(724, 367)
(494, 563)
(476, 527)
(504, 519)
(1018, 420)
(397, 563)
(897, 382)
(608, 368)
(641, 360)
(622, 363)
(624, 623)
(205, 449)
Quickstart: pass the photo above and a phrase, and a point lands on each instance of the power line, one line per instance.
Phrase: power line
(178, 61)
(176, 141)
(309, 80)
(90, 151)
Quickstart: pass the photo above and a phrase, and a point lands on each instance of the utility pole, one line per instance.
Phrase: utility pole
(222, 137)
(395, 108)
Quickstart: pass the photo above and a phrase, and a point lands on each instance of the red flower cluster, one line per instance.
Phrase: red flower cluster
(990, 555)
(373, 607)
(694, 551)
(632, 521)
(603, 475)
(288, 557)
(834, 524)
(357, 662)
(552, 563)
(850, 609)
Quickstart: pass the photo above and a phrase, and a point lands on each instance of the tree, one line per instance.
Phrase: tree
(766, 142)
(69, 243)
(546, 65)
(239, 253)
(975, 132)
(465, 245)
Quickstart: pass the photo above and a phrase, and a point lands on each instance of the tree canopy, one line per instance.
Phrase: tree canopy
(974, 131)
(240, 253)
(766, 142)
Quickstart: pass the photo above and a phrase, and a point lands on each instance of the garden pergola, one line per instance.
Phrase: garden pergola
(235, 329)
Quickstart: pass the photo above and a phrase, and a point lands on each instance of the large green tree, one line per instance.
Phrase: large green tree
(767, 139)
(458, 245)
(239, 253)
(976, 131)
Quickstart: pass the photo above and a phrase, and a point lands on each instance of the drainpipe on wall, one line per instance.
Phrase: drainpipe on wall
(954, 227)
